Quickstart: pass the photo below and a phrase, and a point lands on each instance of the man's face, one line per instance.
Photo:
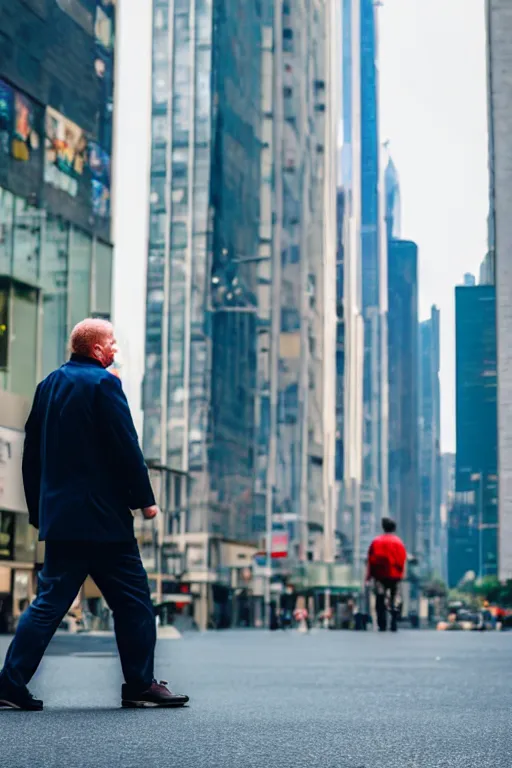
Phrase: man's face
(105, 350)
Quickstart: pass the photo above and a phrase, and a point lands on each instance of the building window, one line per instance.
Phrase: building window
(27, 241)
(157, 225)
(6, 535)
(161, 88)
(102, 278)
(288, 40)
(24, 542)
(54, 281)
(23, 349)
(161, 17)
(159, 160)
(160, 128)
(6, 230)
(178, 235)
(80, 263)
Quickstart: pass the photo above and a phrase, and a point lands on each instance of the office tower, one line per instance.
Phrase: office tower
(235, 387)
(200, 384)
(393, 201)
(56, 121)
(447, 501)
(499, 31)
(301, 160)
(430, 434)
(204, 216)
(403, 388)
(486, 272)
(364, 173)
(476, 462)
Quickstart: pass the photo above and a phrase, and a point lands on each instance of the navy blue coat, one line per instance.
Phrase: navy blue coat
(83, 469)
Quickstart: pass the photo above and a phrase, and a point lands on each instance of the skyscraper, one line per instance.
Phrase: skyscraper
(204, 231)
(363, 174)
(447, 501)
(300, 161)
(499, 31)
(241, 297)
(393, 201)
(403, 388)
(429, 523)
(476, 461)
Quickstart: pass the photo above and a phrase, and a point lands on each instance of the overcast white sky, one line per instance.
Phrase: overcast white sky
(433, 109)
(131, 190)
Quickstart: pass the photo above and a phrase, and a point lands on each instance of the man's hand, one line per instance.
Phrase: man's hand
(150, 512)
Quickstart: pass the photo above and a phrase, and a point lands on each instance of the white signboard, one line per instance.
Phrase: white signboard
(12, 495)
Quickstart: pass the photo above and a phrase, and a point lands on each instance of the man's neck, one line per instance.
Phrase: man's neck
(77, 358)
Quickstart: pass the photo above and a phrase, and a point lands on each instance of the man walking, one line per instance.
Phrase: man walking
(386, 565)
(83, 473)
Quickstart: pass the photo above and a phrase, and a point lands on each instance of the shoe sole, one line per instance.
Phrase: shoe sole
(152, 705)
(12, 705)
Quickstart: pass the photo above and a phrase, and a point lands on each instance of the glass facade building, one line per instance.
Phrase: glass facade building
(199, 393)
(403, 388)
(476, 411)
(363, 176)
(300, 161)
(429, 522)
(56, 127)
(499, 92)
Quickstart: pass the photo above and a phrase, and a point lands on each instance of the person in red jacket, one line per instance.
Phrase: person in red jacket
(386, 566)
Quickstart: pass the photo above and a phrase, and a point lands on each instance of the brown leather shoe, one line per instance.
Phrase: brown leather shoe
(18, 698)
(157, 695)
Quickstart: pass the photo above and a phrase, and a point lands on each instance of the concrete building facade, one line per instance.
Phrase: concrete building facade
(499, 30)
(363, 176)
(56, 134)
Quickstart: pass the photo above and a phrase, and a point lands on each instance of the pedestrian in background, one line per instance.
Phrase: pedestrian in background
(83, 473)
(387, 557)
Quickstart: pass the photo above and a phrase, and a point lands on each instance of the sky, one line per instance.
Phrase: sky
(433, 111)
(131, 191)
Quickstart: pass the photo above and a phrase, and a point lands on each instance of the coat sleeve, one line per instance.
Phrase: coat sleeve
(31, 462)
(123, 442)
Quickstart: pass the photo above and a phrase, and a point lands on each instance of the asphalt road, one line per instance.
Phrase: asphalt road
(276, 700)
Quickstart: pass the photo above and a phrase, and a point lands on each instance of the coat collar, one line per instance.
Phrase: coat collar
(85, 360)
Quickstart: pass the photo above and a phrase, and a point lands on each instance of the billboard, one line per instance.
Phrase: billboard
(20, 141)
(99, 165)
(77, 166)
(19, 137)
(65, 153)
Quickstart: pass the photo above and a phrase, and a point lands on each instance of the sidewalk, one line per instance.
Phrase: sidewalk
(163, 633)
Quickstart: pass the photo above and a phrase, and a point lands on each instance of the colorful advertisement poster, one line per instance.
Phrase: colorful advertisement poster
(99, 165)
(19, 136)
(65, 152)
(6, 116)
(104, 31)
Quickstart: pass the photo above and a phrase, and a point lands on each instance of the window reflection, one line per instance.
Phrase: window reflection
(23, 351)
(80, 259)
(6, 230)
(102, 278)
(27, 241)
(54, 283)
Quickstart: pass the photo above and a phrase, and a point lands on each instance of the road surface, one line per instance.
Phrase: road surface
(272, 700)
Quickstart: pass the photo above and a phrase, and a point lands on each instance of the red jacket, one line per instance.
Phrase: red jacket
(386, 557)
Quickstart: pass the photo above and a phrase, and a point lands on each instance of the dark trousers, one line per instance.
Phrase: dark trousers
(120, 576)
(386, 590)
